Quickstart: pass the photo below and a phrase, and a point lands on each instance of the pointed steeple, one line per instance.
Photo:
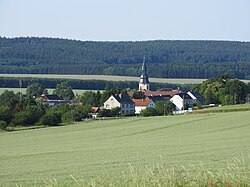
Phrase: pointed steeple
(144, 82)
(144, 66)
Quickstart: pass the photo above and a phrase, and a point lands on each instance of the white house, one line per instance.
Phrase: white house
(182, 101)
(141, 104)
(123, 101)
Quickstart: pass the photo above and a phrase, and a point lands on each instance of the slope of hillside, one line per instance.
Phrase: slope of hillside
(167, 59)
(104, 149)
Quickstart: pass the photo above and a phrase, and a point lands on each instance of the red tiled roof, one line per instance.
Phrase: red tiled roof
(157, 93)
(141, 102)
(95, 109)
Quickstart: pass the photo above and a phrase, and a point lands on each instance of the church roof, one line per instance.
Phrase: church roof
(144, 75)
(144, 79)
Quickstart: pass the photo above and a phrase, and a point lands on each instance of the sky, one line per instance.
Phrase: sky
(127, 20)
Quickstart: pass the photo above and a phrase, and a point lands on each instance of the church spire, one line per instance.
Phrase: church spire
(144, 66)
(144, 82)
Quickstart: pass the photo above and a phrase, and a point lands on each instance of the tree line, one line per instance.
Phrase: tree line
(167, 59)
(224, 90)
(12, 82)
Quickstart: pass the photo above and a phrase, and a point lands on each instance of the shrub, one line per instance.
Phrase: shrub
(51, 119)
(5, 114)
(149, 112)
(3, 125)
(28, 117)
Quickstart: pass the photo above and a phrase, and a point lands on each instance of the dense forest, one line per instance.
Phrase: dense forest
(166, 59)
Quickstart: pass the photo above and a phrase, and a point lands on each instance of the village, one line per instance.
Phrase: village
(133, 103)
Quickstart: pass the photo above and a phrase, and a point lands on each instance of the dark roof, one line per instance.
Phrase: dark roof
(198, 95)
(184, 96)
(53, 97)
(159, 98)
(123, 98)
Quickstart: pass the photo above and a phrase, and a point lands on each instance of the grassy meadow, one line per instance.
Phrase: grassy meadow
(109, 78)
(105, 77)
(184, 150)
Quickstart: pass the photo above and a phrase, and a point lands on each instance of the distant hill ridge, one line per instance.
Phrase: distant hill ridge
(166, 58)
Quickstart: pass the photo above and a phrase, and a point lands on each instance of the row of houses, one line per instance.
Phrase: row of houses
(131, 106)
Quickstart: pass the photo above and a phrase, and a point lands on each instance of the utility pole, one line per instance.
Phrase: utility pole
(164, 103)
(20, 88)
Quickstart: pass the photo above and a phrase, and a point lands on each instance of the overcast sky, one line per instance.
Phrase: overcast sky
(113, 20)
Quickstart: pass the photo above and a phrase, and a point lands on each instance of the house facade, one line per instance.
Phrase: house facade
(182, 101)
(123, 101)
(141, 104)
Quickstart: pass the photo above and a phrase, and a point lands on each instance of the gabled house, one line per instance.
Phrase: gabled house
(197, 96)
(182, 101)
(123, 101)
(52, 100)
(141, 104)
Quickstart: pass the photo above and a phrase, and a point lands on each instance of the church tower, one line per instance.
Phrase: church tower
(144, 82)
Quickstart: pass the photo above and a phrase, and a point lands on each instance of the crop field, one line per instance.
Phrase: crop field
(105, 77)
(185, 150)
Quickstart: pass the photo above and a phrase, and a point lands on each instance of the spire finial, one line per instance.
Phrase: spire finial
(144, 68)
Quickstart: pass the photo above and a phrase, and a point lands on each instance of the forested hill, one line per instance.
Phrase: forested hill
(172, 59)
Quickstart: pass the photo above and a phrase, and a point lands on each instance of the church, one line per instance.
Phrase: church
(144, 82)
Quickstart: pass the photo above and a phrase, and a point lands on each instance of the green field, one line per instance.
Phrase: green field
(121, 149)
(106, 77)
(109, 78)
